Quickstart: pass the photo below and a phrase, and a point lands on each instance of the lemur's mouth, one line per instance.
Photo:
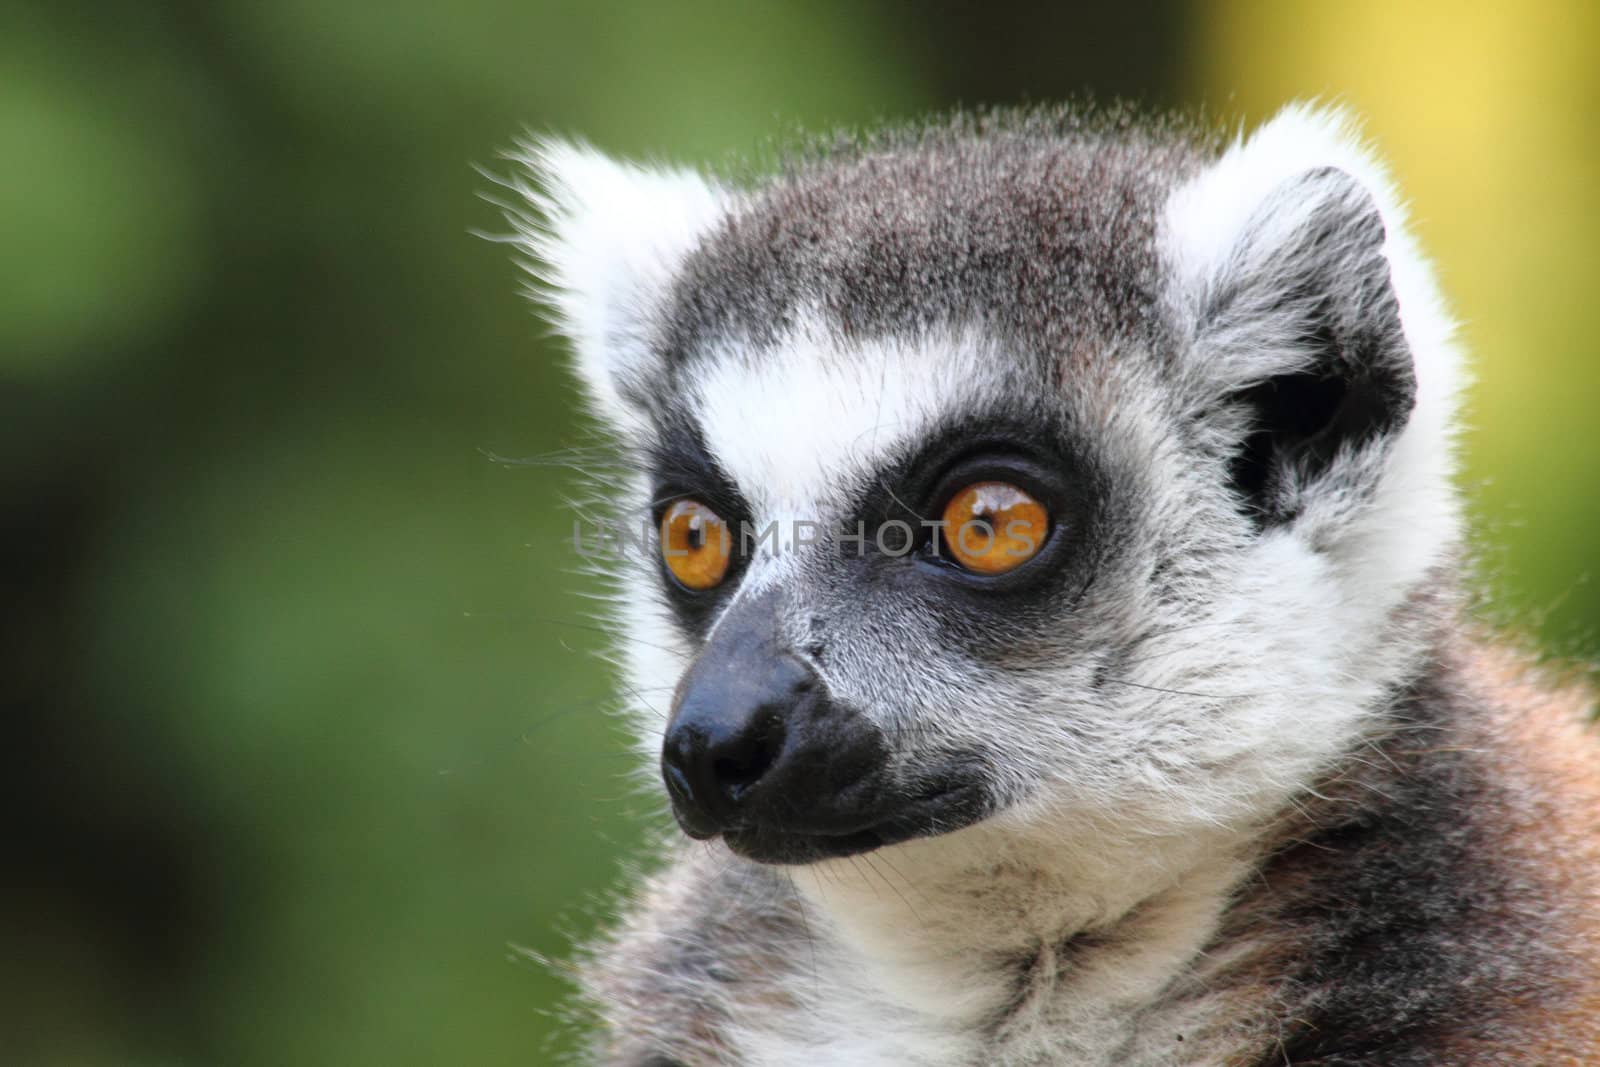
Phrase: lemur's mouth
(956, 804)
(759, 751)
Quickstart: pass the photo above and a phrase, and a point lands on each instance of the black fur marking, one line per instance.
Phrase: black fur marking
(681, 466)
(996, 618)
(1328, 288)
(1409, 932)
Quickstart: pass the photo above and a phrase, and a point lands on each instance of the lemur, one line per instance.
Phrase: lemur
(1052, 639)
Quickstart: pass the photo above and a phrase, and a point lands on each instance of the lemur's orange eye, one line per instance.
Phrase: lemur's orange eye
(696, 544)
(994, 527)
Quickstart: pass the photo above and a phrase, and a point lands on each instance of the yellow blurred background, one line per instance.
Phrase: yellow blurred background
(306, 747)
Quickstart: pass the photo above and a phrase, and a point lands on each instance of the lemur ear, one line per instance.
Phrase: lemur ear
(1297, 320)
(601, 239)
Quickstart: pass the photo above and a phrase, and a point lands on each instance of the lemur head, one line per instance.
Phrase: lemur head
(1031, 472)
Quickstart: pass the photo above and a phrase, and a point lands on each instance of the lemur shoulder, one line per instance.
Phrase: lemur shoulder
(1099, 686)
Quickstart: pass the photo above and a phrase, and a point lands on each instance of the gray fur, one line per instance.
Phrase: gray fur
(1040, 226)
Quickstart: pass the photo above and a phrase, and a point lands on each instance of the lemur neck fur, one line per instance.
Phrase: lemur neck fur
(959, 927)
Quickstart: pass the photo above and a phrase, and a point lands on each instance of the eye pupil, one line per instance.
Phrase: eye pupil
(994, 527)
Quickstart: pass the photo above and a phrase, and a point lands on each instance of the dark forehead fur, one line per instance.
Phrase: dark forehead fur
(1039, 226)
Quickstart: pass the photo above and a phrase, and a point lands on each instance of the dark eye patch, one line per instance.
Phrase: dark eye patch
(992, 616)
(681, 467)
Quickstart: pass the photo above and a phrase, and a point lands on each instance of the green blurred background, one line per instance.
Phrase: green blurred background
(301, 745)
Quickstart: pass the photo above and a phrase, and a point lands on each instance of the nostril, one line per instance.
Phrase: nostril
(677, 783)
(744, 758)
(736, 774)
(682, 755)
(735, 777)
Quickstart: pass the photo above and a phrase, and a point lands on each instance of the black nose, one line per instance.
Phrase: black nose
(728, 730)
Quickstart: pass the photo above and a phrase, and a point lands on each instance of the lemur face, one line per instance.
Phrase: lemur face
(897, 592)
(1054, 474)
